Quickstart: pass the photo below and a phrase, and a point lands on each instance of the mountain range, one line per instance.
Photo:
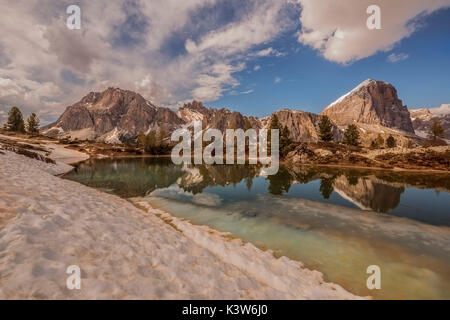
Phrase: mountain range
(117, 115)
(423, 118)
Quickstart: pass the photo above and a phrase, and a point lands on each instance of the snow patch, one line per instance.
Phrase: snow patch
(189, 115)
(59, 129)
(113, 137)
(421, 134)
(355, 90)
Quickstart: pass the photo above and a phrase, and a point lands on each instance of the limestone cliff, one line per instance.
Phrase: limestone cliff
(372, 102)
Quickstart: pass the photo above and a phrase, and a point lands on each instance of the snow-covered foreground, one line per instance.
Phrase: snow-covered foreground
(48, 224)
(57, 152)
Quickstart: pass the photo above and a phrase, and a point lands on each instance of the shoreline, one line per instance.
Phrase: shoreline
(72, 156)
(286, 164)
(337, 166)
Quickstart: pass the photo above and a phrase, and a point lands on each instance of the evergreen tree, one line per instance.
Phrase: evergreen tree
(352, 180)
(15, 120)
(326, 129)
(379, 141)
(390, 142)
(152, 143)
(141, 140)
(274, 125)
(436, 129)
(284, 136)
(285, 141)
(326, 187)
(410, 144)
(249, 183)
(280, 183)
(33, 124)
(161, 135)
(351, 136)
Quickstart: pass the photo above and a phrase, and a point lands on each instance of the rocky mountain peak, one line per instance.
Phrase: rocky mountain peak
(112, 115)
(196, 106)
(90, 97)
(371, 102)
(193, 111)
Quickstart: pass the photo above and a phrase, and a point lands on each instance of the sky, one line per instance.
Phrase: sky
(252, 56)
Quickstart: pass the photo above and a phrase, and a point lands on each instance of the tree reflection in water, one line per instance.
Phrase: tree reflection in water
(369, 190)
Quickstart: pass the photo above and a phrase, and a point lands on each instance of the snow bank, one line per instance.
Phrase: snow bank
(285, 275)
(55, 151)
(48, 224)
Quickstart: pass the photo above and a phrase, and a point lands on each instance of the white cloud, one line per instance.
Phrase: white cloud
(443, 109)
(212, 84)
(394, 57)
(207, 199)
(9, 88)
(277, 80)
(248, 91)
(233, 42)
(177, 193)
(268, 52)
(256, 68)
(263, 24)
(45, 67)
(338, 30)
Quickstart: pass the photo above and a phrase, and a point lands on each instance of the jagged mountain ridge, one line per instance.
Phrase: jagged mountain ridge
(115, 115)
(221, 119)
(302, 125)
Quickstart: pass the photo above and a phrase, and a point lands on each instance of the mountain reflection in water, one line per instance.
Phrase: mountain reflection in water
(379, 191)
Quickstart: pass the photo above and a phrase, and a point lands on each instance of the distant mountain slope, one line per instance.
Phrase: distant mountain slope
(423, 118)
(303, 126)
(221, 119)
(374, 103)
